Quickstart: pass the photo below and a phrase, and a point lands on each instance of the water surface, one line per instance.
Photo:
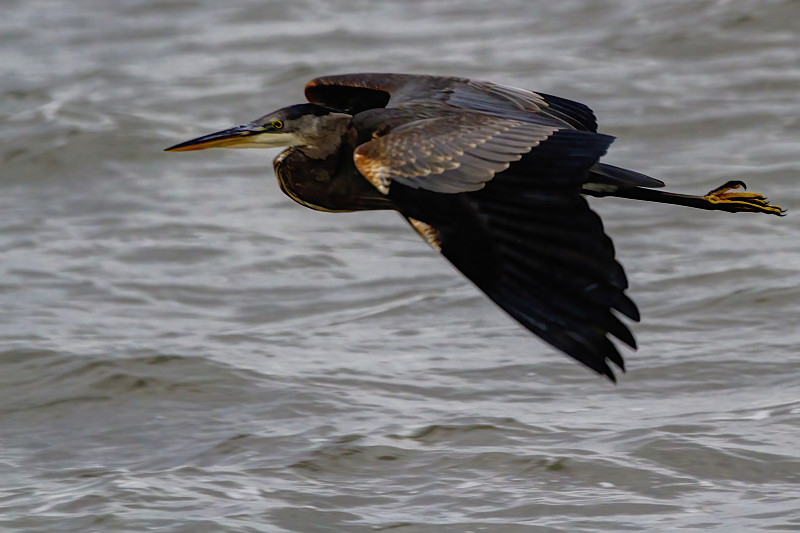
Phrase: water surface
(182, 348)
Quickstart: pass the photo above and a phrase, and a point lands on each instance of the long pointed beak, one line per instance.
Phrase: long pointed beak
(222, 139)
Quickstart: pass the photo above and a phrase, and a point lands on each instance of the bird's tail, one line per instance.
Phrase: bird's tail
(727, 197)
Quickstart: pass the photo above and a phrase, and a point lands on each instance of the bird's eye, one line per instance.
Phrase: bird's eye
(277, 124)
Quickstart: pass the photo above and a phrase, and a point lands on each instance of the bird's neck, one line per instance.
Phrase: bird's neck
(327, 137)
(322, 151)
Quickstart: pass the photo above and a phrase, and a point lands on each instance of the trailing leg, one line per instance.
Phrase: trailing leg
(727, 197)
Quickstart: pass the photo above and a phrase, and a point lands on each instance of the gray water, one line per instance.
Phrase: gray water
(182, 348)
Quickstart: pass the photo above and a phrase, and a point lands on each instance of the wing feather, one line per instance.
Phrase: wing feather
(457, 152)
(357, 92)
(491, 177)
(529, 240)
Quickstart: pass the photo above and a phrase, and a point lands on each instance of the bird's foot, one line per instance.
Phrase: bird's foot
(741, 201)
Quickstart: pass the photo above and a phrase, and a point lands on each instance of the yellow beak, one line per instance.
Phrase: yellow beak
(222, 139)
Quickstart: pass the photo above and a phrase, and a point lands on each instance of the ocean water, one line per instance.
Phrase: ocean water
(184, 349)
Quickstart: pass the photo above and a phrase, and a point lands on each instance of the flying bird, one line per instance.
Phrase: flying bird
(493, 177)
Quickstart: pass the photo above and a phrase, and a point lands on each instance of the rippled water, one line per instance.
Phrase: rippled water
(182, 348)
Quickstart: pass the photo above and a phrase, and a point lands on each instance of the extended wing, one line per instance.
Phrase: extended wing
(355, 93)
(491, 177)
(529, 240)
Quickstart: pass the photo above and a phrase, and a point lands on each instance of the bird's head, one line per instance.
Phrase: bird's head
(312, 126)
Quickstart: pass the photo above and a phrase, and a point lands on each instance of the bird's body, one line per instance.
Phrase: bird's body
(493, 177)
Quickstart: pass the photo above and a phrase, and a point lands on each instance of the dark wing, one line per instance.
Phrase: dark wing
(454, 153)
(529, 240)
(355, 93)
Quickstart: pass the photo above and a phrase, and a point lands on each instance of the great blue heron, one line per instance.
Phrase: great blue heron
(491, 176)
